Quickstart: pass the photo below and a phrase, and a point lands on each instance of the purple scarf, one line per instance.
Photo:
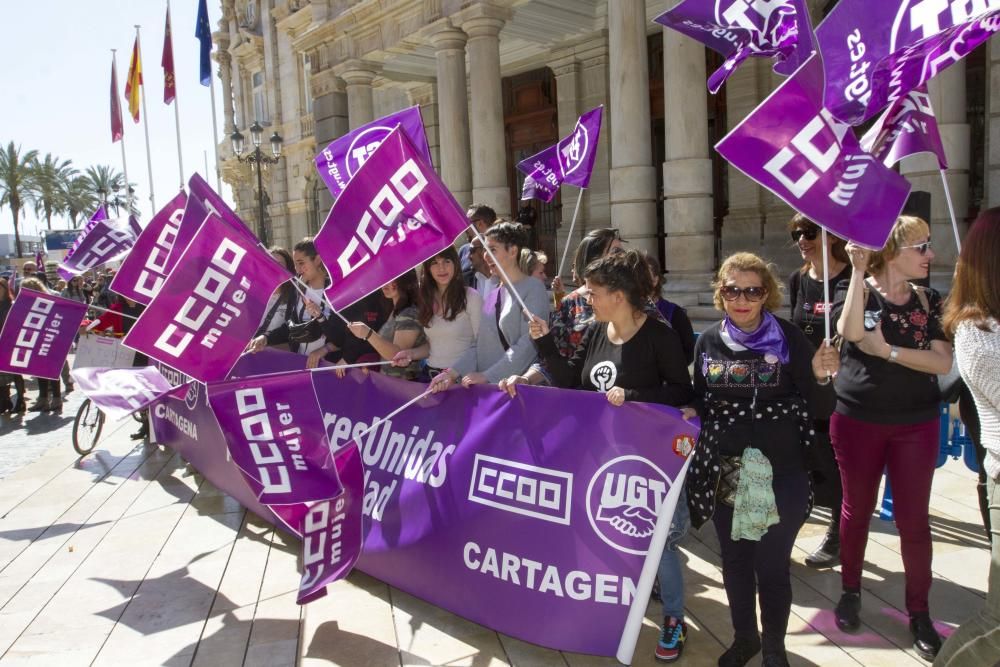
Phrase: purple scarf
(768, 338)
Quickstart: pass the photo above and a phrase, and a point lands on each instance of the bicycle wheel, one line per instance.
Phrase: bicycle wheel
(87, 427)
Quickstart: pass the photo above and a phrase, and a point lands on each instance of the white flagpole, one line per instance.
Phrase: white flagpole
(951, 210)
(114, 57)
(569, 236)
(826, 286)
(145, 124)
(177, 111)
(215, 136)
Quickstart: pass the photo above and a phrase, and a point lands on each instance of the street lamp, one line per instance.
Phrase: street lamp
(257, 159)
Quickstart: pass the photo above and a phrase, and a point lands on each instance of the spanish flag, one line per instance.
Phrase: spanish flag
(134, 82)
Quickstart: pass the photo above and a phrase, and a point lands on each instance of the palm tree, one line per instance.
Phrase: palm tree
(15, 183)
(78, 199)
(105, 183)
(50, 178)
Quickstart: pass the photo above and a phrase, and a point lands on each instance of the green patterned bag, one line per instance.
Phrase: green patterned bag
(754, 509)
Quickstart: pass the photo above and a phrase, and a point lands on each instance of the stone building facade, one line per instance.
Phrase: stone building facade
(499, 80)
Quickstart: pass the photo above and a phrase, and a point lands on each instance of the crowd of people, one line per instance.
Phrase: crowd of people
(792, 414)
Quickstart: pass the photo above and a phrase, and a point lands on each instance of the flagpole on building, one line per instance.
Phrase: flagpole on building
(215, 137)
(177, 111)
(114, 60)
(951, 210)
(145, 124)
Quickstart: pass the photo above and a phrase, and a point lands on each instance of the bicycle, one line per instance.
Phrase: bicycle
(87, 427)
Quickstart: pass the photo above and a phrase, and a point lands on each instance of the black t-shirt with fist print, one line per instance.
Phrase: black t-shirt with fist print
(650, 366)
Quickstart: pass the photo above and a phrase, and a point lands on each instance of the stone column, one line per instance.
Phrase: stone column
(687, 171)
(567, 74)
(329, 120)
(947, 93)
(453, 112)
(360, 105)
(489, 163)
(633, 179)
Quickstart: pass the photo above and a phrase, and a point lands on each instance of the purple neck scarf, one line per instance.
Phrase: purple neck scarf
(766, 339)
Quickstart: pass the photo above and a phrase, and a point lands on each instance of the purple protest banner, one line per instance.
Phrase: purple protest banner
(332, 531)
(571, 160)
(877, 52)
(105, 241)
(738, 29)
(342, 159)
(793, 147)
(210, 305)
(118, 392)
(38, 333)
(394, 214)
(201, 201)
(280, 448)
(907, 127)
(145, 268)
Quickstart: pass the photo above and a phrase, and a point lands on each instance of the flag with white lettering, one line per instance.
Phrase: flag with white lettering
(118, 392)
(739, 29)
(105, 241)
(394, 214)
(38, 333)
(145, 268)
(792, 146)
(340, 161)
(877, 52)
(201, 201)
(907, 127)
(210, 305)
(571, 160)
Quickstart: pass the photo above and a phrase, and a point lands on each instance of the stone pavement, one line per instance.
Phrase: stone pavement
(25, 438)
(128, 557)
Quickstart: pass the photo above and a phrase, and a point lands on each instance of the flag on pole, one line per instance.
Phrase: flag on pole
(167, 63)
(570, 160)
(906, 128)
(134, 82)
(116, 108)
(203, 31)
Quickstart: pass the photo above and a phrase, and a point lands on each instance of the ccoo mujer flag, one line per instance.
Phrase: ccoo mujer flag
(38, 333)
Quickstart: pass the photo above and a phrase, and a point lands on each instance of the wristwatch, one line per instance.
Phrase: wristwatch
(893, 354)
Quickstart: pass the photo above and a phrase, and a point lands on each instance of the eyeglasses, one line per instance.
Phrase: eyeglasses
(810, 234)
(922, 248)
(732, 292)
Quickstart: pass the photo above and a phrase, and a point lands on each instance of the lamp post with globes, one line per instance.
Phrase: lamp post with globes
(256, 160)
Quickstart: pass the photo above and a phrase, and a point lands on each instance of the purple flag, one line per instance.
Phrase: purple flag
(554, 540)
(395, 210)
(211, 303)
(793, 147)
(739, 29)
(105, 241)
(38, 333)
(571, 160)
(276, 437)
(877, 52)
(332, 531)
(145, 268)
(98, 215)
(201, 201)
(118, 392)
(906, 128)
(340, 161)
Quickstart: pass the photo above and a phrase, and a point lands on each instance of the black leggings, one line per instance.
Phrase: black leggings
(970, 417)
(48, 389)
(749, 567)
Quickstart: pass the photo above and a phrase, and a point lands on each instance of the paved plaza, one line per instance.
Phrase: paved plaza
(129, 557)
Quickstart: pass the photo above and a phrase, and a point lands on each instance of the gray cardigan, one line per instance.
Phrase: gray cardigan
(488, 355)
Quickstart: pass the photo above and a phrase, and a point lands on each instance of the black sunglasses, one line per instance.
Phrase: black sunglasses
(732, 292)
(810, 234)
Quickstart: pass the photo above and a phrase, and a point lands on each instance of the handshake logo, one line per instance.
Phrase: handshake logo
(623, 500)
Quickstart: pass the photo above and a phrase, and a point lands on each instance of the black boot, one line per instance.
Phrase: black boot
(775, 659)
(926, 640)
(55, 400)
(827, 554)
(741, 652)
(42, 404)
(848, 611)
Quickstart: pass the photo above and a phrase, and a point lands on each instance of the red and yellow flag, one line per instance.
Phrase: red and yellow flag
(167, 62)
(134, 82)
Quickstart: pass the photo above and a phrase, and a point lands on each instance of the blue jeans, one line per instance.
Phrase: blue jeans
(671, 577)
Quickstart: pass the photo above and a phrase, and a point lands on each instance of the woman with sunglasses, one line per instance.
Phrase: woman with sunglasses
(808, 309)
(887, 414)
(757, 380)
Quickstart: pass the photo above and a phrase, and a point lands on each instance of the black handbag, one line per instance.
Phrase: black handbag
(305, 332)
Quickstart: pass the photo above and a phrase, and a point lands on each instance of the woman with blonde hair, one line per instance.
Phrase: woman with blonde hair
(757, 380)
(887, 414)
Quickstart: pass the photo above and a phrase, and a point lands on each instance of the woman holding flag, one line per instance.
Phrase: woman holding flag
(887, 413)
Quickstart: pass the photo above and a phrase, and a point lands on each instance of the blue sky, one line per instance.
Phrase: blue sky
(56, 90)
